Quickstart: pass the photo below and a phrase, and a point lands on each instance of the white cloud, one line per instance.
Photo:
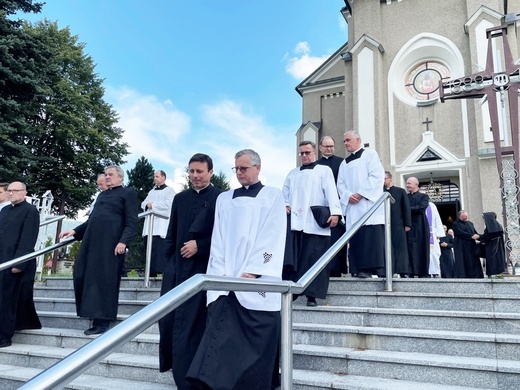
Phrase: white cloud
(166, 137)
(152, 128)
(302, 64)
(235, 128)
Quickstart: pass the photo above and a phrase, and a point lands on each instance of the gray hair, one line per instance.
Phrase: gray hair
(254, 157)
(355, 133)
(118, 169)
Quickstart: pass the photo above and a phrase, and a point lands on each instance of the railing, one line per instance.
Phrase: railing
(152, 215)
(81, 360)
(41, 260)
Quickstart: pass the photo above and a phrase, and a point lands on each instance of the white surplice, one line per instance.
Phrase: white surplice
(249, 237)
(436, 231)
(162, 204)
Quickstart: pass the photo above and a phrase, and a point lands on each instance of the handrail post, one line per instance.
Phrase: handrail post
(388, 246)
(148, 252)
(286, 342)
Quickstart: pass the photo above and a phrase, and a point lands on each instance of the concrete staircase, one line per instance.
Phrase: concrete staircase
(427, 334)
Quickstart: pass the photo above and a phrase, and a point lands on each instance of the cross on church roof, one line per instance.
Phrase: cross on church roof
(427, 122)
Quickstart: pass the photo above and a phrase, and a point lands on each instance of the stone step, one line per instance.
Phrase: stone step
(125, 282)
(428, 285)
(140, 294)
(12, 377)
(127, 307)
(323, 380)
(116, 365)
(143, 344)
(464, 321)
(449, 343)
(70, 320)
(419, 367)
(424, 301)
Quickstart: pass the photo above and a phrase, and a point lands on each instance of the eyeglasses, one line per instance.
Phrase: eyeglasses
(11, 191)
(305, 153)
(328, 146)
(242, 169)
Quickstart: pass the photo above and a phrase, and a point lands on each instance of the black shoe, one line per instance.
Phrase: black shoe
(364, 275)
(5, 343)
(94, 330)
(312, 302)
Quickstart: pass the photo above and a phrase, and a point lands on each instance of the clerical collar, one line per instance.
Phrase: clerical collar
(327, 157)
(202, 189)
(114, 187)
(354, 155)
(161, 187)
(308, 166)
(250, 191)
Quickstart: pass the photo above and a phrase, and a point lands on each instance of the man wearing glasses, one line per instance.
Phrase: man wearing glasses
(18, 235)
(338, 264)
(239, 347)
(306, 186)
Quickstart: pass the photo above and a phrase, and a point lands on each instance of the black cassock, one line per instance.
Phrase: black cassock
(467, 261)
(447, 261)
(97, 270)
(18, 235)
(493, 239)
(419, 235)
(192, 217)
(338, 264)
(400, 216)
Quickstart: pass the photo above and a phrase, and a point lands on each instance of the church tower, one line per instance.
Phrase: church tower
(384, 82)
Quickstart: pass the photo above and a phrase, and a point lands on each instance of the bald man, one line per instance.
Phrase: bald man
(419, 234)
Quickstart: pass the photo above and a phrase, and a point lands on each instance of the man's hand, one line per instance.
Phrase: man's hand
(120, 249)
(16, 270)
(407, 228)
(189, 249)
(288, 209)
(149, 205)
(249, 276)
(68, 233)
(354, 198)
(333, 220)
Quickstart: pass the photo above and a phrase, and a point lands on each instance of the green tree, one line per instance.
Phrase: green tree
(62, 133)
(20, 54)
(140, 178)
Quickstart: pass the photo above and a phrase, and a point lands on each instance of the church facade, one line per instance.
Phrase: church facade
(384, 83)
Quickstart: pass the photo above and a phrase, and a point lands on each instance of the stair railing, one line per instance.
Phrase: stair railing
(149, 241)
(63, 372)
(40, 260)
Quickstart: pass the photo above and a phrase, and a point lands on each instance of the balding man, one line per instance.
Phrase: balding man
(106, 234)
(159, 199)
(360, 184)
(18, 235)
(419, 234)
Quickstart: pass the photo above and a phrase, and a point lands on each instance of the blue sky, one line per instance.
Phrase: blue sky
(188, 76)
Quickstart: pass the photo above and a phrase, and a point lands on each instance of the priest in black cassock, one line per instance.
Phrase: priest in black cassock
(447, 261)
(400, 223)
(18, 235)
(338, 264)
(419, 234)
(360, 184)
(105, 236)
(493, 240)
(239, 348)
(187, 245)
(467, 260)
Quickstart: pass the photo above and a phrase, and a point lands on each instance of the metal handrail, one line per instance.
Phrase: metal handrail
(22, 259)
(50, 220)
(66, 370)
(148, 257)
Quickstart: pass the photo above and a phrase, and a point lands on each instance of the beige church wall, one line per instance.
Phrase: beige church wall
(333, 125)
(311, 106)
(491, 193)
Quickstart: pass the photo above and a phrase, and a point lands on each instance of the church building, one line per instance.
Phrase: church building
(384, 83)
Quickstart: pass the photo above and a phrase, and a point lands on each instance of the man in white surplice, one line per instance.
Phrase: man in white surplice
(360, 184)
(309, 185)
(240, 343)
(160, 200)
(436, 231)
